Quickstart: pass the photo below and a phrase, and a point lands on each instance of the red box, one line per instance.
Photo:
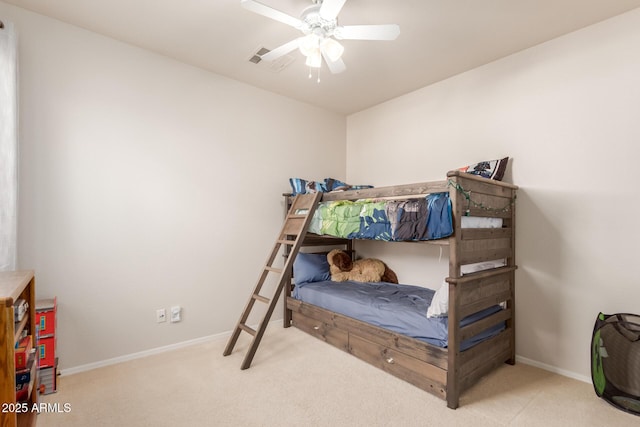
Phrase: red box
(46, 316)
(47, 351)
(22, 351)
(22, 392)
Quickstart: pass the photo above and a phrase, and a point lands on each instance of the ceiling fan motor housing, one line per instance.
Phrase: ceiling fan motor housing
(313, 23)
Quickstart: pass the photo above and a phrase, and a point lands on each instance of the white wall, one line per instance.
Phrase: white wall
(567, 113)
(145, 183)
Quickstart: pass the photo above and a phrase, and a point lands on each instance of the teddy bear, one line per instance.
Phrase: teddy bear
(342, 269)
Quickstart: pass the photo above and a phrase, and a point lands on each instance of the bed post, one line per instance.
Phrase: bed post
(511, 262)
(475, 196)
(286, 317)
(453, 351)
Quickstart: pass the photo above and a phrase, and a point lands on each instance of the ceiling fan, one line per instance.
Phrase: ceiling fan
(319, 26)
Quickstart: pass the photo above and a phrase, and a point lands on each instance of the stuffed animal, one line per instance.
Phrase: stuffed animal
(342, 269)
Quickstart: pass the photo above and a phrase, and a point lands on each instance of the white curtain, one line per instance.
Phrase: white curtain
(8, 147)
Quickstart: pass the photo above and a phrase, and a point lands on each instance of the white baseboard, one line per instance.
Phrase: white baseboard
(145, 353)
(225, 335)
(150, 352)
(553, 369)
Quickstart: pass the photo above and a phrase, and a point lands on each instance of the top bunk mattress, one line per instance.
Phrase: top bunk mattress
(398, 308)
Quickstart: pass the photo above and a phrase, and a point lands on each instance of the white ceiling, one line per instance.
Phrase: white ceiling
(438, 38)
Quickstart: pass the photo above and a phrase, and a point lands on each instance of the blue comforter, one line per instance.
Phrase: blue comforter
(398, 308)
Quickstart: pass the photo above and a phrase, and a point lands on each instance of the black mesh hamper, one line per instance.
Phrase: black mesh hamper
(615, 360)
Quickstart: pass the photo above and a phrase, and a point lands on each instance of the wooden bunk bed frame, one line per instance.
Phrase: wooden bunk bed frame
(444, 372)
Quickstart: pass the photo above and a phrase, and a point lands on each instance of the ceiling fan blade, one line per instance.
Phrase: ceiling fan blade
(281, 50)
(337, 66)
(367, 32)
(270, 12)
(331, 8)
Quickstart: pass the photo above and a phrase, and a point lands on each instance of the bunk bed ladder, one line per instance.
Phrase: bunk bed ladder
(292, 235)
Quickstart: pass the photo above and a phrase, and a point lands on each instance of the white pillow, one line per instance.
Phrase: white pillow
(440, 303)
(481, 266)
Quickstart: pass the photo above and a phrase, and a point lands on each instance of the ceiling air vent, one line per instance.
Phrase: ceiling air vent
(256, 56)
(276, 65)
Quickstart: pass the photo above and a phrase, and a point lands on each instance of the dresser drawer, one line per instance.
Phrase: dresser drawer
(401, 365)
(330, 334)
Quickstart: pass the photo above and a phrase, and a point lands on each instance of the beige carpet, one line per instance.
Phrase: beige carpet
(296, 380)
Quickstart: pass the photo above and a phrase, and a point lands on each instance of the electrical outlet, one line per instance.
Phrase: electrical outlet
(176, 313)
(161, 315)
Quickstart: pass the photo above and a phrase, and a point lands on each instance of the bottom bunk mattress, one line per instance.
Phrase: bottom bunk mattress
(398, 308)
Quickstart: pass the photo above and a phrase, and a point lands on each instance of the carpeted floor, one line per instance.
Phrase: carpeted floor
(296, 380)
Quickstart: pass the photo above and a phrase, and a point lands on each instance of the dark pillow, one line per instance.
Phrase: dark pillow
(302, 186)
(310, 268)
(492, 169)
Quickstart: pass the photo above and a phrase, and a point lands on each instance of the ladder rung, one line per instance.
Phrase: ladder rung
(287, 242)
(247, 329)
(275, 270)
(296, 216)
(261, 298)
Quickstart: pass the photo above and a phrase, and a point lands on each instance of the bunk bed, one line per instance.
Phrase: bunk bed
(447, 368)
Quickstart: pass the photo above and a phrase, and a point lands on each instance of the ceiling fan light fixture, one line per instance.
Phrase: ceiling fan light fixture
(332, 49)
(314, 60)
(309, 44)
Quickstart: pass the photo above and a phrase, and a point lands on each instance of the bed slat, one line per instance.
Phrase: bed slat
(472, 293)
(487, 353)
(479, 326)
(478, 184)
(488, 205)
(481, 275)
(485, 233)
(484, 303)
(480, 250)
